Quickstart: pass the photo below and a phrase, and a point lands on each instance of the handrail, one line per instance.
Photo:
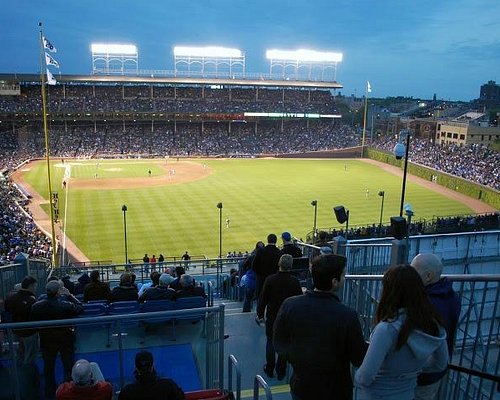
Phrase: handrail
(107, 318)
(259, 381)
(232, 362)
(452, 277)
(477, 373)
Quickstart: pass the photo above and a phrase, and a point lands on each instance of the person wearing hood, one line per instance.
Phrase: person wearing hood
(447, 303)
(126, 291)
(408, 338)
(83, 280)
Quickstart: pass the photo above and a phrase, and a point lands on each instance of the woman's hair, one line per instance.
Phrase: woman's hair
(403, 289)
(144, 371)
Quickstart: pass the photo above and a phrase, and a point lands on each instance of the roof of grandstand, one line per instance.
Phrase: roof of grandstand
(254, 81)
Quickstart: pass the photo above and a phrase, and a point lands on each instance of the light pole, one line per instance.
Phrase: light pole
(124, 209)
(401, 150)
(381, 194)
(219, 206)
(314, 203)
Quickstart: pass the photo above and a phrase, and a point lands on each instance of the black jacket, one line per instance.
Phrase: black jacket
(124, 293)
(53, 309)
(19, 305)
(96, 291)
(293, 250)
(157, 293)
(276, 289)
(321, 338)
(265, 262)
(158, 389)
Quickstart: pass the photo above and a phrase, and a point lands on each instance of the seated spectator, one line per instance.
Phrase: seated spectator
(87, 383)
(188, 289)
(155, 281)
(68, 284)
(96, 290)
(126, 291)
(82, 282)
(179, 271)
(160, 292)
(148, 385)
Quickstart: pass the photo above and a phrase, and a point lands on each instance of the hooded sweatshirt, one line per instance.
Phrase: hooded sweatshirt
(387, 373)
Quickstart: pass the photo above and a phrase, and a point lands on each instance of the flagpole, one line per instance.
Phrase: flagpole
(364, 121)
(43, 67)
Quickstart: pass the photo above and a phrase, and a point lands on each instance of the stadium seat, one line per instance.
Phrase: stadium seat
(124, 307)
(159, 305)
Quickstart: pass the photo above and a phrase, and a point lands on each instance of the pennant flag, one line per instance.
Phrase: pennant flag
(49, 46)
(50, 78)
(49, 60)
(368, 87)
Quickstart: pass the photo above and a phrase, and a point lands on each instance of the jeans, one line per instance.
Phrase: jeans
(428, 392)
(49, 354)
(247, 302)
(271, 359)
(28, 349)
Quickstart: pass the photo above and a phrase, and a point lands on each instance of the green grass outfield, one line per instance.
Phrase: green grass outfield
(259, 196)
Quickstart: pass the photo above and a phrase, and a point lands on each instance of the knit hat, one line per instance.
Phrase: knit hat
(326, 250)
(52, 287)
(286, 236)
(143, 360)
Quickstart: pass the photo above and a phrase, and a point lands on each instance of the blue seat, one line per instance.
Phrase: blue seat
(121, 308)
(159, 305)
(94, 309)
(183, 303)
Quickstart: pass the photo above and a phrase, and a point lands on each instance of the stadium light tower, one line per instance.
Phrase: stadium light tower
(109, 58)
(400, 151)
(314, 203)
(209, 61)
(124, 209)
(304, 58)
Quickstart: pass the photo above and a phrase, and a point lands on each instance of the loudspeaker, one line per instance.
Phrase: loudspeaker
(340, 214)
(398, 227)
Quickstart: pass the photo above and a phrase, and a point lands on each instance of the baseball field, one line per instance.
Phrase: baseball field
(172, 204)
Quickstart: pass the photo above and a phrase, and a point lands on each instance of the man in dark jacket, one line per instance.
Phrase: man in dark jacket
(126, 291)
(18, 305)
(160, 292)
(289, 247)
(96, 290)
(319, 336)
(265, 262)
(58, 339)
(447, 304)
(188, 288)
(277, 288)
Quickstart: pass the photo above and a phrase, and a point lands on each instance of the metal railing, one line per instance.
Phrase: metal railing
(210, 357)
(478, 332)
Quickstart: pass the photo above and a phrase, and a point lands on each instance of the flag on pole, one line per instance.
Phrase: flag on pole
(50, 78)
(49, 46)
(49, 60)
(368, 87)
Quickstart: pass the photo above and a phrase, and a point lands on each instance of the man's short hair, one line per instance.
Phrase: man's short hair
(428, 263)
(325, 268)
(155, 278)
(94, 275)
(285, 262)
(186, 280)
(82, 373)
(179, 271)
(27, 282)
(126, 279)
(144, 360)
(271, 238)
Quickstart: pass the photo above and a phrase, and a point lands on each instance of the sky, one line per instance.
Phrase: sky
(403, 48)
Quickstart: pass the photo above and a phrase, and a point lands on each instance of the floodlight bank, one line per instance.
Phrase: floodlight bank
(105, 48)
(303, 55)
(209, 51)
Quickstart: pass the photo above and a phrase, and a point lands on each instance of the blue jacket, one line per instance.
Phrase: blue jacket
(390, 374)
(447, 304)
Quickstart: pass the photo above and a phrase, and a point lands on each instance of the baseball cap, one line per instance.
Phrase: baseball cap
(143, 360)
(325, 250)
(82, 373)
(166, 279)
(52, 287)
(286, 236)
